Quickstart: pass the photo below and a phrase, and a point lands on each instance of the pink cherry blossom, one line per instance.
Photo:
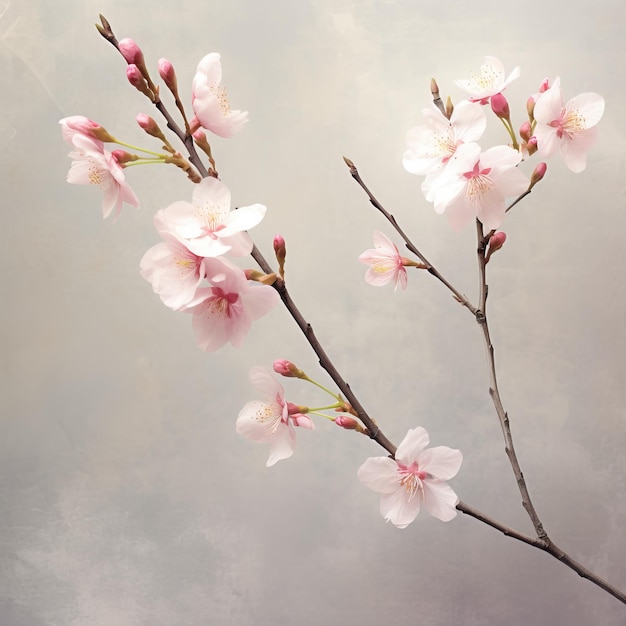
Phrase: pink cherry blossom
(569, 128)
(209, 100)
(93, 165)
(206, 225)
(81, 125)
(416, 476)
(272, 420)
(430, 146)
(489, 82)
(476, 185)
(224, 312)
(385, 263)
(174, 271)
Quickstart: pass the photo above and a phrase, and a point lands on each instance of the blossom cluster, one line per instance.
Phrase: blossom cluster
(467, 182)
(189, 272)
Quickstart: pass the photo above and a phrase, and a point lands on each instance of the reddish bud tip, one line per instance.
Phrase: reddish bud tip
(122, 157)
(525, 131)
(500, 106)
(287, 369)
(167, 74)
(131, 52)
(538, 173)
(149, 125)
(347, 422)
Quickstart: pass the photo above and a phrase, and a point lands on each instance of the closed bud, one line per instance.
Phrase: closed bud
(538, 173)
(496, 241)
(148, 124)
(122, 157)
(347, 422)
(131, 52)
(530, 108)
(288, 369)
(500, 106)
(167, 74)
(136, 79)
(525, 131)
(280, 250)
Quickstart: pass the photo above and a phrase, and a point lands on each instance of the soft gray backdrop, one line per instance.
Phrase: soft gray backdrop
(126, 498)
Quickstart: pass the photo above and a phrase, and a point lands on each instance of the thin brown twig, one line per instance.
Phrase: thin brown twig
(409, 244)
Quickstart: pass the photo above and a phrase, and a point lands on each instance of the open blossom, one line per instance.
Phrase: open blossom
(569, 128)
(209, 101)
(224, 312)
(416, 476)
(272, 420)
(489, 82)
(385, 263)
(430, 146)
(174, 271)
(93, 165)
(206, 225)
(476, 185)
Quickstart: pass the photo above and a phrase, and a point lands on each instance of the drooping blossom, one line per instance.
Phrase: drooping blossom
(414, 478)
(476, 185)
(272, 420)
(491, 80)
(81, 125)
(224, 312)
(206, 225)
(430, 146)
(93, 165)
(175, 272)
(569, 128)
(385, 263)
(209, 101)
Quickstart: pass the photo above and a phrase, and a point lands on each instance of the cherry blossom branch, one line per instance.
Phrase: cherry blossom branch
(375, 432)
(494, 391)
(546, 545)
(409, 244)
(107, 33)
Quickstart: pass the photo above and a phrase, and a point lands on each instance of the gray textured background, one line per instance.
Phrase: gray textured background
(126, 498)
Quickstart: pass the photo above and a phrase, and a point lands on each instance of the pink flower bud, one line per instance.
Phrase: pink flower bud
(131, 52)
(545, 85)
(287, 369)
(500, 106)
(347, 422)
(121, 156)
(532, 146)
(148, 124)
(83, 126)
(538, 173)
(136, 79)
(525, 131)
(281, 253)
(497, 241)
(167, 74)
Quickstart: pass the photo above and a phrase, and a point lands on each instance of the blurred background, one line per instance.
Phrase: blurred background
(126, 497)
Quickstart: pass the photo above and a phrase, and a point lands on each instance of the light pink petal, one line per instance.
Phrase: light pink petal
(267, 384)
(259, 300)
(412, 445)
(440, 462)
(244, 218)
(210, 68)
(440, 500)
(282, 445)
(380, 474)
(547, 140)
(469, 121)
(378, 278)
(574, 152)
(460, 213)
(213, 193)
(240, 244)
(549, 104)
(589, 105)
(500, 156)
(260, 430)
(399, 509)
